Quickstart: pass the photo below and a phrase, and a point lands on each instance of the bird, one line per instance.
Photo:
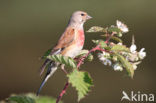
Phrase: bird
(70, 43)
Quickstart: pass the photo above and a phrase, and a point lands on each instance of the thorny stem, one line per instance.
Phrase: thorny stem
(84, 57)
(79, 64)
(62, 92)
(109, 37)
(94, 49)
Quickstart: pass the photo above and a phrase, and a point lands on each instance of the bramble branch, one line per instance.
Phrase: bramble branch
(114, 54)
(62, 92)
(81, 60)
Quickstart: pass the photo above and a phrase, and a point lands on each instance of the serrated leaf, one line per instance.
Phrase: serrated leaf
(114, 29)
(82, 52)
(128, 66)
(63, 60)
(30, 98)
(81, 81)
(20, 99)
(96, 29)
(42, 99)
(114, 38)
(100, 42)
(120, 48)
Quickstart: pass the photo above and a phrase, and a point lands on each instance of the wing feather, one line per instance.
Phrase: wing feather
(66, 39)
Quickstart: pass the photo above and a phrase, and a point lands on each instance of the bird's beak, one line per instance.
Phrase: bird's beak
(88, 17)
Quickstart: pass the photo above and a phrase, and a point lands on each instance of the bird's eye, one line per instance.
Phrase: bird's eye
(82, 14)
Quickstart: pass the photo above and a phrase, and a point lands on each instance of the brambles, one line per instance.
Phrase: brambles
(110, 50)
(29, 98)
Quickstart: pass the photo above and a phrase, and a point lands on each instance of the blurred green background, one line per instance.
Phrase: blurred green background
(29, 27)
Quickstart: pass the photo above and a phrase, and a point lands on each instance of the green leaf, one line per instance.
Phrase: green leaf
(63, 60)
(30, 98)
(20, 99)
(101, 43)
(128, 66)
(42, 99)
(81, 81)
(82, 52)
(97, 29)
(120, 48)
(114, 29)
(114, 38)
(45, 99)
(90, 57)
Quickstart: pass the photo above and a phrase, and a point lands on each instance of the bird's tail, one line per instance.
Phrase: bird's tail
(47, 61)
(51, 69)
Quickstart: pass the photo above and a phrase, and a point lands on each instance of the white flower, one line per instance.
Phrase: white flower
(117, 67)
(133, 48)
(132, 57)
(107, 62)
(120, 44)
(103, 59)
(106, 54)
(134, 66)
(122, 26)
(115, 58)
(101, 56)
(142, 54)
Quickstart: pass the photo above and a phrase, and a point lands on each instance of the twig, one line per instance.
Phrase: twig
(62, 92)
(80, 62)
(109, 37)
(83, 57)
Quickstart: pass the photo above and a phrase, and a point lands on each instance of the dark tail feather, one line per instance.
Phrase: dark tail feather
(51, 69)
(42, 84)
(44, 66)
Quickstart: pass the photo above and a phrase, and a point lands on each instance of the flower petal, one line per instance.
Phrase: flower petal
(122, 26)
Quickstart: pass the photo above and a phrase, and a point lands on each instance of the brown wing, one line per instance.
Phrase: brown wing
(64, 41)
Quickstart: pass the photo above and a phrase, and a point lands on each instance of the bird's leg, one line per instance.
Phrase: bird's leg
(62, 67)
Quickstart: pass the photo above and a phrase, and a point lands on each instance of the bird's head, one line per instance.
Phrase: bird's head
(79, 18)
